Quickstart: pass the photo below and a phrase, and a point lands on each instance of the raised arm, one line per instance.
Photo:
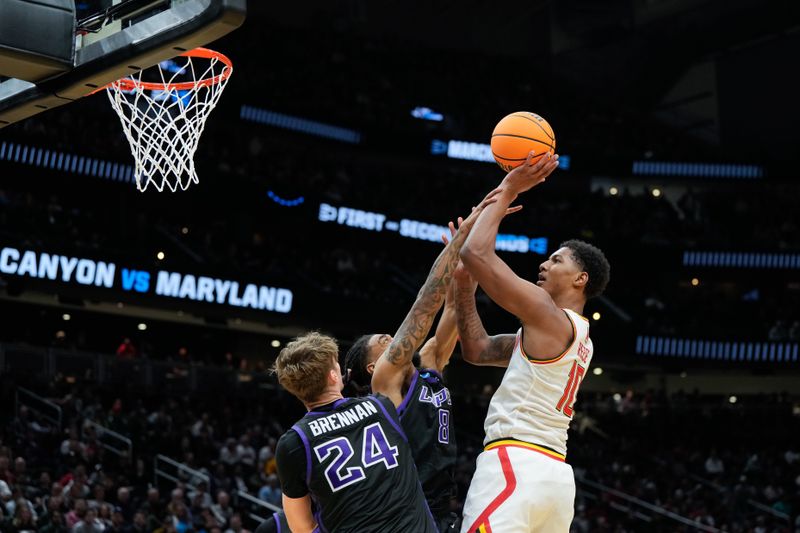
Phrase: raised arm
(477, 347)
(531, 304)
(435, 354)
(393, 365)
(437, 351)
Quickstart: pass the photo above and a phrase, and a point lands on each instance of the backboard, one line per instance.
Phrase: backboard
(108, 40)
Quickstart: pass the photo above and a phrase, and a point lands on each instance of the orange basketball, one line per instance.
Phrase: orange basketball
(519, 133)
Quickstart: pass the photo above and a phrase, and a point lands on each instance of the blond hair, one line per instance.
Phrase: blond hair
(302, 366)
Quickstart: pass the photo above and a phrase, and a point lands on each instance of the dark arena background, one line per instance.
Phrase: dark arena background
(349, 134)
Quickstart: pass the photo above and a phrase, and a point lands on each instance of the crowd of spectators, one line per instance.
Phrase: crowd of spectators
(731, 466)
(734, 467)
(67, 480)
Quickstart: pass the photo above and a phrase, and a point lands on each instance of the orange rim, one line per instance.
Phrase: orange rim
(128, 84)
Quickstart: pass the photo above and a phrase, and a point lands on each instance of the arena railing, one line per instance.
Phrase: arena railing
(767, 509)
(259, 504)
(181, 473)
(753, 503)
(109, 439)
(46, 409)
(645, 505)
(626, 510)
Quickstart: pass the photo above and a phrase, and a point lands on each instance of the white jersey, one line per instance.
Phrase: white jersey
(534, 401)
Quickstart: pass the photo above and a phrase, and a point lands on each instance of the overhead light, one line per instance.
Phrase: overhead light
(656, 192)
(683, 374)
(66, 316)
(120, 305)
(60, 334)
(597, 371)
(613, 191)
(142, 326)
(275, 343)
(184, 230)
(695, 282)
(160, 256)
(733, 399)
(596, 315)
(617, 397)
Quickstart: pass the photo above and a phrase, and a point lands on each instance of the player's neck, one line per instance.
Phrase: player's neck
(572, 302)
(325, 398)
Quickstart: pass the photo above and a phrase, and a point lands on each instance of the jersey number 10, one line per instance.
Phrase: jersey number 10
(567, 400)
(375, 448)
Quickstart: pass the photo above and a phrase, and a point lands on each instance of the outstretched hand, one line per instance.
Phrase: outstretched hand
(529, 174)
(461, 274)
(465, 224)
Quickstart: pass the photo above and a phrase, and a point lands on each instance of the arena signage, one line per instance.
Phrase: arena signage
(414, 229)
(472, 151)
(89, 272)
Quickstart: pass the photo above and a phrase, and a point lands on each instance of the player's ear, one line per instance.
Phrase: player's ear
(371, 368)
(581, 280)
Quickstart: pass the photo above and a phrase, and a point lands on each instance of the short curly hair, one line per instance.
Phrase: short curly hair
(593, 261)
(303, 365)
(355, 363)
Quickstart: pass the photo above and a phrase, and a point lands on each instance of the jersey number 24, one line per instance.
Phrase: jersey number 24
(375, 448)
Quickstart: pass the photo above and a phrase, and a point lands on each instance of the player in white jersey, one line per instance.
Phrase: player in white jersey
(522, 482)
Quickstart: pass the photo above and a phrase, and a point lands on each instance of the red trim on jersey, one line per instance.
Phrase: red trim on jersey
(511, 484)
(558, 357)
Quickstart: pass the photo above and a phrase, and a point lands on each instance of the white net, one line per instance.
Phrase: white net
(164, 119)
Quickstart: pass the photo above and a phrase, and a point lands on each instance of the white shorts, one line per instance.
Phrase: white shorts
(519, 487)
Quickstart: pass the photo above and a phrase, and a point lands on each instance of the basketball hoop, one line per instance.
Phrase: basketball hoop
(163, 120)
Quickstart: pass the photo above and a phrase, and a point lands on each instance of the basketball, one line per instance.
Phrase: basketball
(519, 133)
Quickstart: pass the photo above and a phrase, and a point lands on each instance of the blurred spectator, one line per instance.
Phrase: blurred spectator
(236, 525)
(88, 523)
(140, 523)
(126, 350)
(246, 453)
(6, 474)
(118, 523)
(201, 494)
(271, 492)
(24, 519)
(229, 454)
(714, 464)
(222, 510)
(124, 503)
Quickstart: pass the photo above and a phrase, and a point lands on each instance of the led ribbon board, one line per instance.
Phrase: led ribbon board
(415, 229)
(89, 272)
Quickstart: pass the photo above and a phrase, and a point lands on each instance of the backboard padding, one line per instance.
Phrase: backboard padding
(185, 26)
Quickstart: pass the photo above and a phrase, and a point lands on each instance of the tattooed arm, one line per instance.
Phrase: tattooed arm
(395, 364)
(435, 354)
(477, 347)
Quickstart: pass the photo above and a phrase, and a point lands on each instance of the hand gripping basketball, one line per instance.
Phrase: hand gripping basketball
(530, 174)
